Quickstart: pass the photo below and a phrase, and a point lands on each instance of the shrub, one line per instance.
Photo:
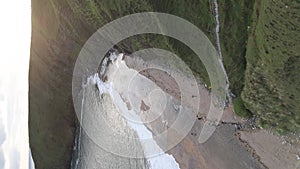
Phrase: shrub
(240, 109)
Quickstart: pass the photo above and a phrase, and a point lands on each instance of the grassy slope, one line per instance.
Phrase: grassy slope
(240, 109)
(51, 122)
(234, 19)
(196, 12)
(272, 78)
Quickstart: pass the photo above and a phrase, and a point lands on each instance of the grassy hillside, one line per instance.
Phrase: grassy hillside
(272, 83)
(235, 17)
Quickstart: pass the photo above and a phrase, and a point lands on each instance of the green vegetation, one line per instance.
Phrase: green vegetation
(272, 77)
(235, 18)
(51, 119)
(233, 32)
(197, 12)
(240, 109)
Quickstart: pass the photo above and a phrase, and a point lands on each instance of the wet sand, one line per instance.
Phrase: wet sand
(274, 151)
(228, 147)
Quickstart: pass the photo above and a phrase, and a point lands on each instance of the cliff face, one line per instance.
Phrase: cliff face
(272, 77)
(52, 119)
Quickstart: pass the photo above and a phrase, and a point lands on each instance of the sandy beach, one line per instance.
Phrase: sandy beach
(229, 147)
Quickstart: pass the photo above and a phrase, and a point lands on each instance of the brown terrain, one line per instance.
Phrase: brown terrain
(231, 146)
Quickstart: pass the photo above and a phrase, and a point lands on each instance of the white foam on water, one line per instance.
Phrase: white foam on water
(161, 161)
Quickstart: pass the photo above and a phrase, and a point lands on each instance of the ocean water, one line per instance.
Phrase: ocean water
(110, 130)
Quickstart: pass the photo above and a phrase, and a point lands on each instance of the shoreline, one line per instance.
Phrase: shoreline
(257, 149)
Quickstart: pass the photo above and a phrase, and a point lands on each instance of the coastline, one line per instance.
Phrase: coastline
(248, 144)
